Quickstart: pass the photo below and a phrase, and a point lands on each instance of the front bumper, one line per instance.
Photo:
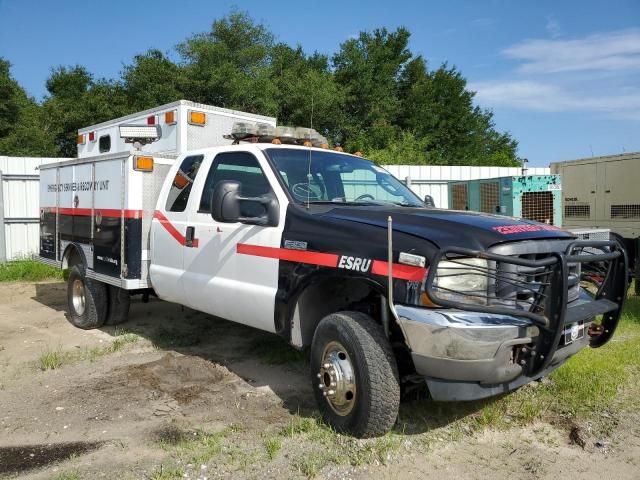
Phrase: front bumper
(465, 354)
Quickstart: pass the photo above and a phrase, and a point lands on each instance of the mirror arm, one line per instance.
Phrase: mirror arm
(261, 221)
(263, 199)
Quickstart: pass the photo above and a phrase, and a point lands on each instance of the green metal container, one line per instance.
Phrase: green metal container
(534, 197)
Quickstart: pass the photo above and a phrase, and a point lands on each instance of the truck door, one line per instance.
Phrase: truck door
(217, 279)
(170, 235)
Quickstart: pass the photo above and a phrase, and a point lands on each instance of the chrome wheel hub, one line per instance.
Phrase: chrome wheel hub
(78, 296)
(337, 380)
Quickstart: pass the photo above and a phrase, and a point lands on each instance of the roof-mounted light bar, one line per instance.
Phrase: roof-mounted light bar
(262, 132)
(141, 134)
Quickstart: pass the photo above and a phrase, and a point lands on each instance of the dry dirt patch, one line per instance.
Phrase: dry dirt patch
(191, 391)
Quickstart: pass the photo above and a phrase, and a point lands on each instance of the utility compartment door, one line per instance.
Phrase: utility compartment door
(579, 193)
(218, 279)
(621, 195)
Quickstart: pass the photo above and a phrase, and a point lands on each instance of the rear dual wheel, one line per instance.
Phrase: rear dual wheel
(93, 304)
(354, 375)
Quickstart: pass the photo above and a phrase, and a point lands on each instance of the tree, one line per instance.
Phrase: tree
(151, 80)
(372, 95)
(76, 100)
(305, 88)
(23, 131)
(367, 68)
(230, 65)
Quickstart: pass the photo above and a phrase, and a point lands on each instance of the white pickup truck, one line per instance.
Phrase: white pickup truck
(333, 253)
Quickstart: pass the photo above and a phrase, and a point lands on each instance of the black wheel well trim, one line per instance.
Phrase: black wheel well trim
(314, 281)
(72, 248)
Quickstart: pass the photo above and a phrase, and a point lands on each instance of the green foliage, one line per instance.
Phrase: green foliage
(151, 80)
(372, 95)
(23, 130)
(27, 271)
(76, 100)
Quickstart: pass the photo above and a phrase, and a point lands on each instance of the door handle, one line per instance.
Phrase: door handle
(191, 233)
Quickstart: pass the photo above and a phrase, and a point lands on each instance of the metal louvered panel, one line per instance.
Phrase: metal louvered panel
(459, 196)
(489, 197)
(538, 206)
(577, 210)
(625, 211)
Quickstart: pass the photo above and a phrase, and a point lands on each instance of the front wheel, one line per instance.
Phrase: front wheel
(354, 375)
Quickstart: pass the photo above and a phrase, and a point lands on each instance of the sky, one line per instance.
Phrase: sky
(563, 77)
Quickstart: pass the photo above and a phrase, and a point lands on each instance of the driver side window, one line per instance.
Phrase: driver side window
(242, 167)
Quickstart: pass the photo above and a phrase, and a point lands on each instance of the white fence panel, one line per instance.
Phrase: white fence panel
(19, 208)
(434, 179)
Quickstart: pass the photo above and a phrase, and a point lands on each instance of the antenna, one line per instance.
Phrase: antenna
(309, 166)
(591, 148)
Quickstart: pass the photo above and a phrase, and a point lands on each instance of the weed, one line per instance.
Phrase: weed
(28, 271)
(201, 446)
(311, 463)
(52, 359)
(272, 445)
(121, 340)
(167, 473)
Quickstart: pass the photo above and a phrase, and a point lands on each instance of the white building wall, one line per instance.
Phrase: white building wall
(20, 214)
(433, 179)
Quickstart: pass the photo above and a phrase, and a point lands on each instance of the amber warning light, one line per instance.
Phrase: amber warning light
(143, 163)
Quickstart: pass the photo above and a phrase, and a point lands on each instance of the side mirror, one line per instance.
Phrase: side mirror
(228, 205)
(429, 202)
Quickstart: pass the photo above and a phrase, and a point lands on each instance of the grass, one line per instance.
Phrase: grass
(28, 271)
(198, 447)
(167, 473)
(590, 386)
(54, 359)
(71, 475)
(272, 445)
(51, 359)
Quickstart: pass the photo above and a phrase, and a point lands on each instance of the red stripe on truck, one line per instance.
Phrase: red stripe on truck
(164, 221)
(86, 212)
(290, 255)
(399, 270)
(379, 267)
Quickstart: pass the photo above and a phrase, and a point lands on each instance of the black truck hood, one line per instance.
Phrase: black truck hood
(449, 227)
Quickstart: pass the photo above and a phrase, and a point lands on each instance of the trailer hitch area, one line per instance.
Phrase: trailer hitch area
(595, 330)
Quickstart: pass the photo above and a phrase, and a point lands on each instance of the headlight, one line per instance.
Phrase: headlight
(464, 280)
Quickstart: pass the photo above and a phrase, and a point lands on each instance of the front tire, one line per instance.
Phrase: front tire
(87, 300)
(354, 375)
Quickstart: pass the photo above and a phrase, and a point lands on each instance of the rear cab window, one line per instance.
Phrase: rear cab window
(182, 183)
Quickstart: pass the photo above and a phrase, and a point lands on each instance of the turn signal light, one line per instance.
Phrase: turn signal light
(197, 118)
(426, 301)
(180, 181)
(143, 164)
(80, 139)
(170, 117)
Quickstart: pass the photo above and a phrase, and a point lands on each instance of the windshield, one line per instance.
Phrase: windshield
(338, 178)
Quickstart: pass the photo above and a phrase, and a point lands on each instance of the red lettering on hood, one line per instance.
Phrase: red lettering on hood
(524, 228)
